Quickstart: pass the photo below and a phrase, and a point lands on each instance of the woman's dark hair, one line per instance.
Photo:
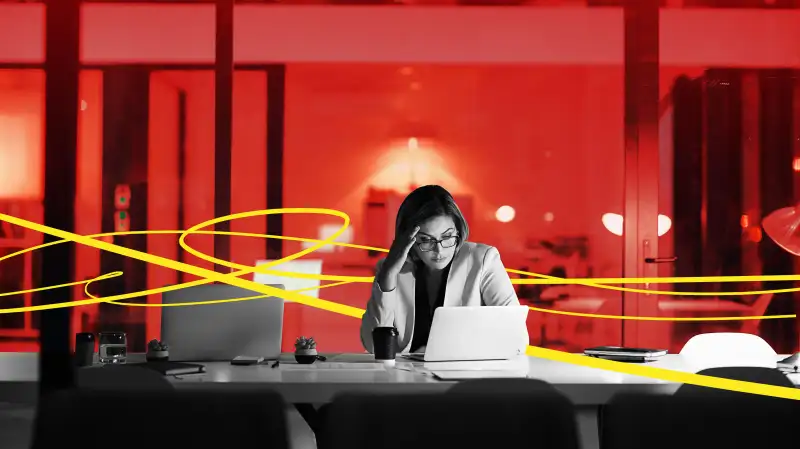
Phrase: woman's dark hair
(427, 202)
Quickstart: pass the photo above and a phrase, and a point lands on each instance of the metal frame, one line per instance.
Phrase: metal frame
(62, 53)
(223, 128)
(641, 19)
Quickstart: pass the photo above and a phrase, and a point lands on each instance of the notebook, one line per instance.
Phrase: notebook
(469, 375)
(172, 368)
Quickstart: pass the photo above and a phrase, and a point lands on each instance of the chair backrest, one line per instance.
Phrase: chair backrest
(636, 421)
(727, 349)
(458, 419)
(757, 374)
(200, 419)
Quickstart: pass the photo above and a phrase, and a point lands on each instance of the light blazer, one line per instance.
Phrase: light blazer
(477, 277)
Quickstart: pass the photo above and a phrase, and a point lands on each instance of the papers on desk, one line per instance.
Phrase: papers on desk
(333, 366)
(517, 364)
(485, 369)
(483, 374)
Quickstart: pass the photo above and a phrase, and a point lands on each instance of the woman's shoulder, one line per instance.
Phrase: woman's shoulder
(478, 251)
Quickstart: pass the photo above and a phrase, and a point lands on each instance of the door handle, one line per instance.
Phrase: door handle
(647, 250)
(660, 259)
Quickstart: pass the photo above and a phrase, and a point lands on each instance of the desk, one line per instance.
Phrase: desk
(584, 386)
(588, 388)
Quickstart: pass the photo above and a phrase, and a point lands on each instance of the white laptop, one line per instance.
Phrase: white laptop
(476, 333)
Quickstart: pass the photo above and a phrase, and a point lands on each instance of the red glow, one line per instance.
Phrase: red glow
(21, 128)
(745, 221)
(755, 234)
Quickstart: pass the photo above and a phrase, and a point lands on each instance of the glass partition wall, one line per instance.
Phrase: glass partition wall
(528, 134)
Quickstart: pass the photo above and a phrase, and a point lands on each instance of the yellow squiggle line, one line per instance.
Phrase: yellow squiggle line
(646, 371)
(347, 279)
(217, 301)
(603, 283)
(543, 279)
(207, 275)
(659, 318)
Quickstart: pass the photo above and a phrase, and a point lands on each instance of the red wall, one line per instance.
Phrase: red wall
(496, 35)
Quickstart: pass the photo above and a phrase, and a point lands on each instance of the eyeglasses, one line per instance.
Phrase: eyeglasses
(430, 244)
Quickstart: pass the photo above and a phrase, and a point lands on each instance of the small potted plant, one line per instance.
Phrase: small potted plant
(305, 350)
(157, 351)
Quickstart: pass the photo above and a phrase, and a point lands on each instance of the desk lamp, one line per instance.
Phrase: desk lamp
(783, 227)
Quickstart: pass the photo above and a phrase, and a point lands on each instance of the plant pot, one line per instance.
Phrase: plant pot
(157, 356)
(305, 356)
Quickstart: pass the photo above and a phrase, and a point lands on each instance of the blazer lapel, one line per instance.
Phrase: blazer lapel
(457, 277)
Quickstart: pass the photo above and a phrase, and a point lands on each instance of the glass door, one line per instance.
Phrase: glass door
(725, 158)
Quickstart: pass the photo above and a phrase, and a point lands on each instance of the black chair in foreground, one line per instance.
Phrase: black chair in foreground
(697, 422)
(761, 375)
(476, 415)
(134, 419)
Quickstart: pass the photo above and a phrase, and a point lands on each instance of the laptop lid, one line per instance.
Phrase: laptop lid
(477, 333)
(220, 332)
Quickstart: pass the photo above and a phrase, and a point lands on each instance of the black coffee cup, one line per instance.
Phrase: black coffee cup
(384, 340)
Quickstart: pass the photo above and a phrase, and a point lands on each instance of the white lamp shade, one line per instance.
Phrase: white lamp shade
(782, 227)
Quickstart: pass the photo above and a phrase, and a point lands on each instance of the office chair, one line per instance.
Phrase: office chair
(136, 419)
(637, 421)
(459, 418)
(756, 374)
(720, 349)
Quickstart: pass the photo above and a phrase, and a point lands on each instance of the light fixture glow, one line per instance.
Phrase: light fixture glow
(505, 214)
(664, 224)
(744, 221)
(614, 223)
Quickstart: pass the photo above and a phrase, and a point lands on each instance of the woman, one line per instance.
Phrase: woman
(431, 264)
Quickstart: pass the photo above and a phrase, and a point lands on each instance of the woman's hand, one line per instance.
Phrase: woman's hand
(387, 278)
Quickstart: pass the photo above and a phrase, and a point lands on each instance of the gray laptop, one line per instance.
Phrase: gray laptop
(221, 332)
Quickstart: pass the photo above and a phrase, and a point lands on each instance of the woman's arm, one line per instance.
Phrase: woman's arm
(380, 311)
(496, 287)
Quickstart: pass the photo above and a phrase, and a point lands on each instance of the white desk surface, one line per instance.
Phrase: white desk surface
(318, 383)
